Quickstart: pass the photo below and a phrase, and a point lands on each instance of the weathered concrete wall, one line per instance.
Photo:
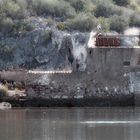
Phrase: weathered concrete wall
(135, 86)
(112, 64)
(16, 75)
(106, 79)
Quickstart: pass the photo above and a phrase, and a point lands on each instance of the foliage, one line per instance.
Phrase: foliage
(6, 25)
(12, 9)
(107, 9)
(82, 22)
(79, 5)
(122, 2)
(56, 8)
(135, 5)
(21, 27)
(68, 14)
(135, 20)
(61, 26)
(50, 21)
(46, 36)
(103, 10)
(118, 23)
(105, 24)
(14, 27)
(3, 90)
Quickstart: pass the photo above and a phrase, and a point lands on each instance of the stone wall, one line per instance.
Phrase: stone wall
(107, 78)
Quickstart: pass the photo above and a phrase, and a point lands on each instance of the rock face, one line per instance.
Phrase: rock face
(5, 105)
(43, 48)
(47, 48)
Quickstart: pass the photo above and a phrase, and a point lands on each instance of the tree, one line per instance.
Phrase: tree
(135, 20)
(104, 10)
(118, 23)
(122, 2)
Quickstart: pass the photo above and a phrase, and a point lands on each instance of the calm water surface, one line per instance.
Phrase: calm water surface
(70, 124)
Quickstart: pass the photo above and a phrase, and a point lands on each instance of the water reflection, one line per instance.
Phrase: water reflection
(70, 124)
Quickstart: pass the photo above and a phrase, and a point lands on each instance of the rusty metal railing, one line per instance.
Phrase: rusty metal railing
(115, 40)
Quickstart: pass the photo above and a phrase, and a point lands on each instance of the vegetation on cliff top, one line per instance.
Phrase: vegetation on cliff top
(82, 15)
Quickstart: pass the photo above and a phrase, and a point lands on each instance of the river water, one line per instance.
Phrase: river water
(70, 124)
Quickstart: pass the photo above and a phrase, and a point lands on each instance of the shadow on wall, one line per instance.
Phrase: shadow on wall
(73, 50)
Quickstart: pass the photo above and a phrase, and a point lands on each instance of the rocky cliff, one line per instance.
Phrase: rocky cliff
(46, 47)
(42, 48)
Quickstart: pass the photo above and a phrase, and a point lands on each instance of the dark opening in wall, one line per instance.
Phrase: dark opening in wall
(138, 63)
(90, 52)
(126, 63)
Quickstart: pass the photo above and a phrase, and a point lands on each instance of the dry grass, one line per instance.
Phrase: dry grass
(3, 90)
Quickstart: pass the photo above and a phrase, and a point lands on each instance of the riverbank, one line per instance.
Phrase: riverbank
(109, 77)
(58, 94)
(106, 101)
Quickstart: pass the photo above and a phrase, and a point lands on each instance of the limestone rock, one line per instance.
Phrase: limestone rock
(5, 105)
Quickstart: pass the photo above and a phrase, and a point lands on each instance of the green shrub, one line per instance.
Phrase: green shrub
(23, 8)
(105, 9)
(6, 25)
(11, 27)
(22, 3)
(14, 9)
(61, 26)
(135, 20)
(50, 21)
(6, 53)
(118, 10)
(105, 24)
(46, 36)
(56, 8)
(21, 26)
(121, 2)
(118, 23)
(82, 5)
(79, 5)
(82, 22)
(90, 7)
(71, 14)
(3, 91)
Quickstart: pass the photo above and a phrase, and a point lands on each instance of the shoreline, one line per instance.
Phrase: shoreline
(96, 100)
(87, 102)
